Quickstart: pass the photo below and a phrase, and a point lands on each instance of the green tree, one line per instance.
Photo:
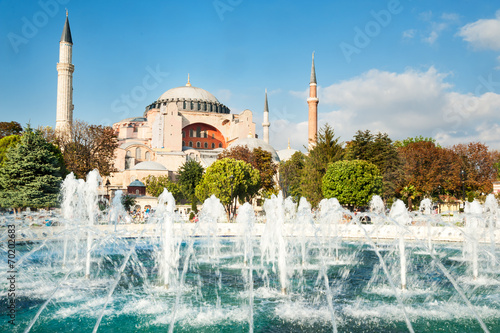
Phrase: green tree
(352, 182)
(229, 179)
(10, 128)
(5, 143)
(260, 159)
(328, 149)
(290, 172)
(128, 202)
(31, 173)
(379, 150)
(410, 193)
(155, 186)
(190, 174)
(419, 138)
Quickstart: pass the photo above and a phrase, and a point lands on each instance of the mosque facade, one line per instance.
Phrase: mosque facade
(184, 123)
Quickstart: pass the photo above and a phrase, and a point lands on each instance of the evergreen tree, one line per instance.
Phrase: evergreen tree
(328, 149)
(31, 173)
(379, 150)
(190, 174)
(290, 176)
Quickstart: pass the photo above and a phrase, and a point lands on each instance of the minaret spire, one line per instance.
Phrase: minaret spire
(265, 123)
(65, 69)
(313, 71)
(189, 83)
(313, 107)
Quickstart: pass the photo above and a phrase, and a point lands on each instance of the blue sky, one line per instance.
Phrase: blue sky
(402, 67)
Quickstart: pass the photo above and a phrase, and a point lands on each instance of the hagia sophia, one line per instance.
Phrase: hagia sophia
(184, 123)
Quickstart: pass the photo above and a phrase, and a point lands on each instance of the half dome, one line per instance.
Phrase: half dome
(148, 165)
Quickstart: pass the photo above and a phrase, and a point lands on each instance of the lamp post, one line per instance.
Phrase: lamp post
(463, 175)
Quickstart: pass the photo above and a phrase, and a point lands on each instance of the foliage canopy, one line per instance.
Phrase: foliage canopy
(352, 182)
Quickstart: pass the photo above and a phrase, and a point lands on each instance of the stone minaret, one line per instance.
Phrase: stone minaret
(313, 107)
(266, 123)
(65, 68)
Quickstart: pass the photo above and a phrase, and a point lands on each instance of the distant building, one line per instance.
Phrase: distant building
(184, 123)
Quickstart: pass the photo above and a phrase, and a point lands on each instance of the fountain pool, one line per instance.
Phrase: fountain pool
(298, 272)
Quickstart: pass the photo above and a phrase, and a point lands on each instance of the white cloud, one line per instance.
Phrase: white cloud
(483, 34)
(409, 34)
(436, 27)
(431, 38)
(405, 105)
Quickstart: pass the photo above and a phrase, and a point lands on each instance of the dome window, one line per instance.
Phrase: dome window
(148, 156)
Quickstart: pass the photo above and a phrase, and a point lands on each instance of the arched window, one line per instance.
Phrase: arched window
(184, 105)
(183, 143)
(137, 192)
(190, 133)
(198, 132)
(220, 145)
(205, 144)
(198, 144)
(213, 145)
(148, 156)
(138, 153)
(190, 144)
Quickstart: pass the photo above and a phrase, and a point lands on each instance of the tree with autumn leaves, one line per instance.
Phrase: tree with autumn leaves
(89, 147)
(259, 159)
(430, 169)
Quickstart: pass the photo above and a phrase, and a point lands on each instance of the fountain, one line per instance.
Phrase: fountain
(327, 270)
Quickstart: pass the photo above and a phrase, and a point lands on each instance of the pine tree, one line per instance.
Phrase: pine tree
(328, 149)
(31, 173)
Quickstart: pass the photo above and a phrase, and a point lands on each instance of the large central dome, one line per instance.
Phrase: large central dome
(188, 93)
